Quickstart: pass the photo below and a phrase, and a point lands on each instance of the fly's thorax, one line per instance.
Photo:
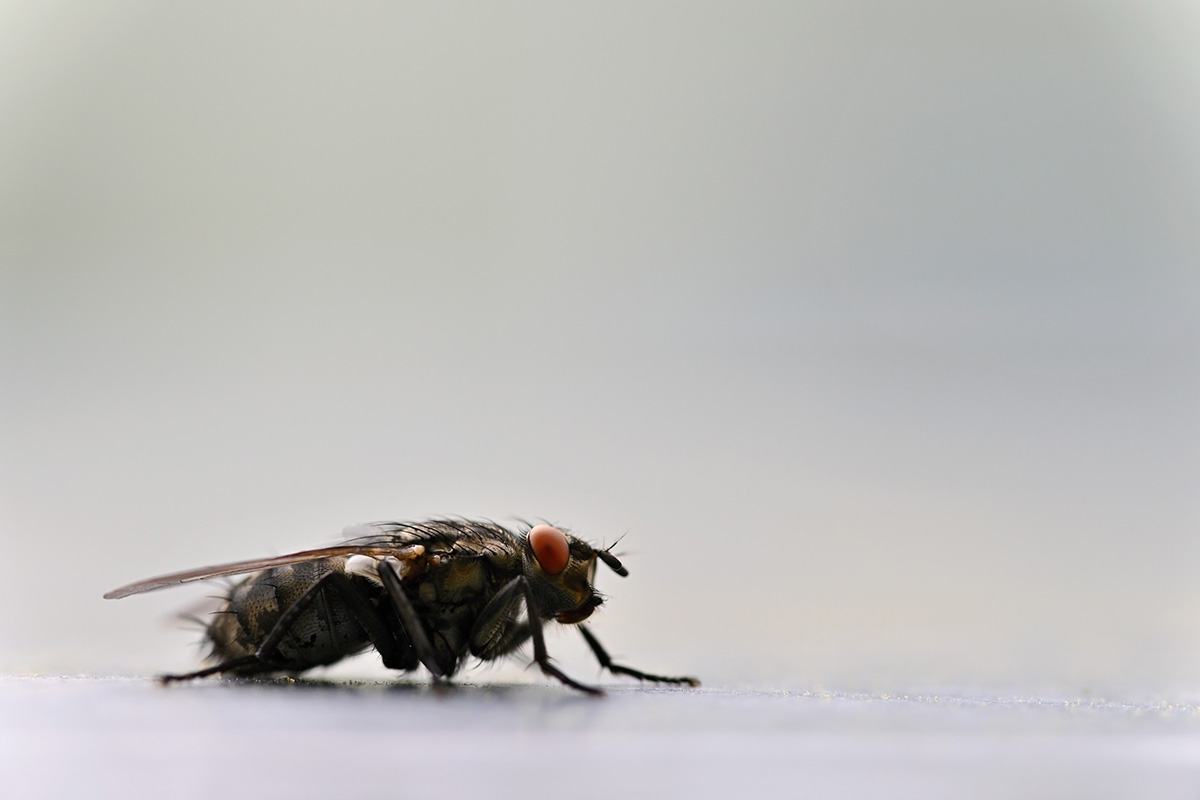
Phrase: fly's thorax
(566, 594)
(448, 591)
(445, 579)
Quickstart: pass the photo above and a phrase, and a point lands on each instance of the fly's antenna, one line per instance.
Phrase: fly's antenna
(613, 562)
(617, 542)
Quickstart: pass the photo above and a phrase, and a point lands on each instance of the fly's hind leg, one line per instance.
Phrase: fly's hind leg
(390, 649)
(225, 666)
(606, 661)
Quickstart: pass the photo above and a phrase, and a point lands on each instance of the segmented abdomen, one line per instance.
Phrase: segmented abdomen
(324, 632)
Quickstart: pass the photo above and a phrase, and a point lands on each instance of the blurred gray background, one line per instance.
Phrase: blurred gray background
(873, 327)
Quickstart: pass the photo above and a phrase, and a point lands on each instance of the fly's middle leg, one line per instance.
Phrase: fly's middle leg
(411, 622)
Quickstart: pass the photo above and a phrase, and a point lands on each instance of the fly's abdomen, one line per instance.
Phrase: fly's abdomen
(323, 631)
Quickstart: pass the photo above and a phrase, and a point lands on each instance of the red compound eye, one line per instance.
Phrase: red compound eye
(550, 548)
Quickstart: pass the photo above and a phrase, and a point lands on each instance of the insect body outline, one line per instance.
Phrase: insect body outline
(420, 593)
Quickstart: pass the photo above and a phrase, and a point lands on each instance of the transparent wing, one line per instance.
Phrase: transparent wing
(377, 549)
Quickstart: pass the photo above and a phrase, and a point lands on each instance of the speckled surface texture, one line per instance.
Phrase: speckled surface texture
(75, 737)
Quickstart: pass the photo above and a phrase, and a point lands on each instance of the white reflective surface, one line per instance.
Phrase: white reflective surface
(132, 738)
(874, 328)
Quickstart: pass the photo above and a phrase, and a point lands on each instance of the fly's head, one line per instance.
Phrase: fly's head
(561, 569)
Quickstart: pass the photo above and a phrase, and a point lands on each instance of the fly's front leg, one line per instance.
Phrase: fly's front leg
(606, 661)
(540, 656)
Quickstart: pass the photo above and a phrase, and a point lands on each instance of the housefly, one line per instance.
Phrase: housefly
(420, 593)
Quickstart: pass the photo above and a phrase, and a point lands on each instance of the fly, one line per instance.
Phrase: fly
(420, 593)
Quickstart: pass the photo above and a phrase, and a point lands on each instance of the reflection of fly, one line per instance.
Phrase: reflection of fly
(427, 593)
